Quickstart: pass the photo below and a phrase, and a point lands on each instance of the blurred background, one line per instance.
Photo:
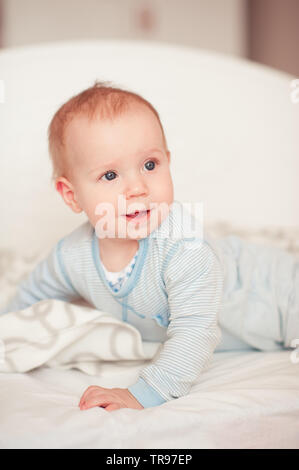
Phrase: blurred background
(265, 31)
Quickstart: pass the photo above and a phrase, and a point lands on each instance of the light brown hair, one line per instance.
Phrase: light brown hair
(101, 99)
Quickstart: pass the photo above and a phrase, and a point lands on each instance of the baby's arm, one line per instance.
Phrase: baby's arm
(194, 282)
(48, 280)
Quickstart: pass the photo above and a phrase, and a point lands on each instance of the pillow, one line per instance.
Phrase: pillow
(281, 237)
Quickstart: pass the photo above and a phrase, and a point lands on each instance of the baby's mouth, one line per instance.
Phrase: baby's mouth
(138, 214)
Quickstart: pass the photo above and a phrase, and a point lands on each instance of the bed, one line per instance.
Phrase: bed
(240, 119)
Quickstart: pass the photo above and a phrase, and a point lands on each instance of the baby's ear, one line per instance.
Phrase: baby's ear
(66, 190)
(168, 154)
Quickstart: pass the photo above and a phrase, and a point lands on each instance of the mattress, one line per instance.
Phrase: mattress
(245, 400)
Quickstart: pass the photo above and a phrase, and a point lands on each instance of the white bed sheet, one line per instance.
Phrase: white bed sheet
(247, 400)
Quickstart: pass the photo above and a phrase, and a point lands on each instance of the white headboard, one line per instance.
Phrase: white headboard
(231, 127)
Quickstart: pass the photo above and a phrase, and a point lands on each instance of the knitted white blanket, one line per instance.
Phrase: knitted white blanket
(68, 335)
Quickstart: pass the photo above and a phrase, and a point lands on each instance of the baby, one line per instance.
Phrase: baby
(111, 161)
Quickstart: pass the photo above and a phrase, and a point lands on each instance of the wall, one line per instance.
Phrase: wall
(210, 24)
(274, 33)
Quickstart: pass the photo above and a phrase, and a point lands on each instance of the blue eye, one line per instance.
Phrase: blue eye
(150, 165)
(109, 175)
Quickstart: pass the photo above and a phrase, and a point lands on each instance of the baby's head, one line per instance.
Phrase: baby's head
(109, 152)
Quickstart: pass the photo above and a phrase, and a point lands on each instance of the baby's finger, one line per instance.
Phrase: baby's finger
(99, 400)
(87, 392)
(113, 406)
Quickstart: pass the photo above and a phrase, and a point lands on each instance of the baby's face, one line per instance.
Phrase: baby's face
(119, 167)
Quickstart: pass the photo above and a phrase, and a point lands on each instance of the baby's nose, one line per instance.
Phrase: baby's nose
(136, 187)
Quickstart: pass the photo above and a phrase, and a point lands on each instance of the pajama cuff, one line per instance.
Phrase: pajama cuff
(145, 394)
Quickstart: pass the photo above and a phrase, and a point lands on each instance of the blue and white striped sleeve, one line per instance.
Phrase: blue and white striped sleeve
(194, 283)
(48, 280)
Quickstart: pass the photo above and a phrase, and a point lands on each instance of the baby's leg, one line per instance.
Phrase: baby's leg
(261, 295)
(230, 342)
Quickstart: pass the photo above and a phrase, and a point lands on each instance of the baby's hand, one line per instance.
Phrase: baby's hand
(108, 398)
